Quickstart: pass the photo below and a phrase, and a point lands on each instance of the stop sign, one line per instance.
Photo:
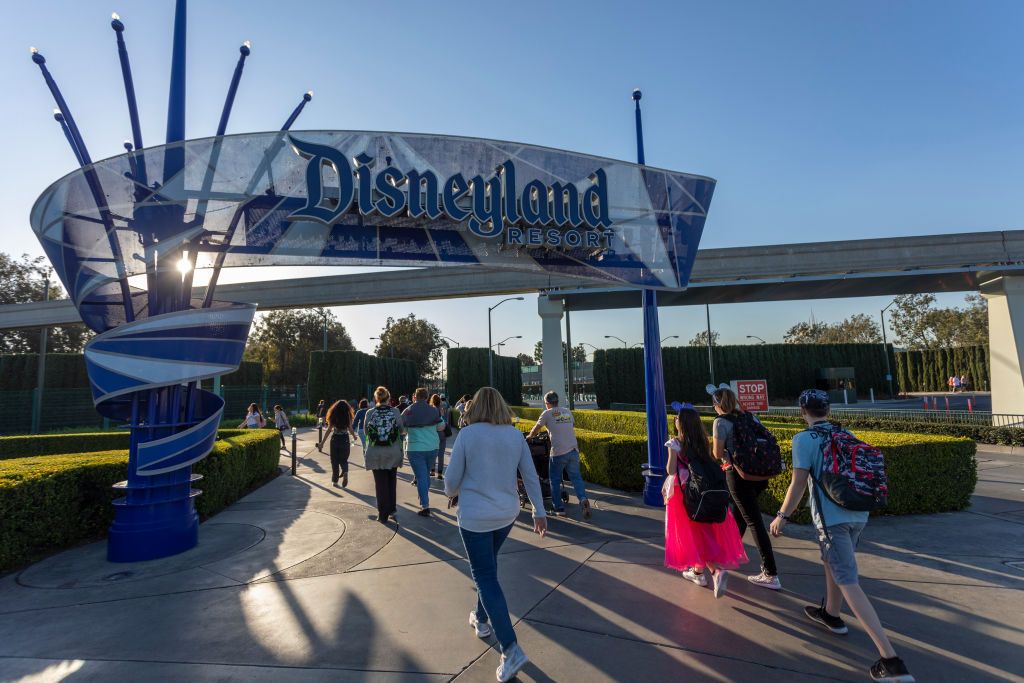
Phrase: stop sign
(752, 394)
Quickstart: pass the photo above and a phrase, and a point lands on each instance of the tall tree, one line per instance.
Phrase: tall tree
(857, 329)
(413, 339)
(23, 280)
(701, 338)
(526, 359)
(579, 352)
(919, 324)
(282, 341)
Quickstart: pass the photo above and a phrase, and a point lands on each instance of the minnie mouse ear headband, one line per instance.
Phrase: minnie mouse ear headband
(677, 406)
(711, 389)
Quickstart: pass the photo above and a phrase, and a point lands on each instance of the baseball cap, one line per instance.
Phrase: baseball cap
(815, 399)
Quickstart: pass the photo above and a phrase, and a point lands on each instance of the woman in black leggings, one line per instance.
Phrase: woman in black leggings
(339, 430)
(744, 492)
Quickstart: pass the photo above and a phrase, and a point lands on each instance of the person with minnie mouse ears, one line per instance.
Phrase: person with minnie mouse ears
(699, 527)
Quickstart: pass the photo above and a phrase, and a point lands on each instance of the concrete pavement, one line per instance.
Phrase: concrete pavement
(297, 582)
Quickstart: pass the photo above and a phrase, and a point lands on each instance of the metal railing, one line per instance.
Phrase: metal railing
(73, 409)
(977, 418)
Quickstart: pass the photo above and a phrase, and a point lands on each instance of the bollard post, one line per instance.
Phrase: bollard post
(969, 408)
(926, 403)
(846, 398)
(319, 430)
(872, 390)
(947, 404)
(295, 443)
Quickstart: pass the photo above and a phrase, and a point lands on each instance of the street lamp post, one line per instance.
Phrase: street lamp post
(391, 349)
(885, 350)
(754, 336)
(612, 336)
(451, 340)
(37, 406)
(671, 336)
(636, 345)
(490, 341)
(325, 330)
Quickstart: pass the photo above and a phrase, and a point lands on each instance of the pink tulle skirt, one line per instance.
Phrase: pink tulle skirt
(694, 544)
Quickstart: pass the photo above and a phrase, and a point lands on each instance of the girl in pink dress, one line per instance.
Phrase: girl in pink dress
(691, 546)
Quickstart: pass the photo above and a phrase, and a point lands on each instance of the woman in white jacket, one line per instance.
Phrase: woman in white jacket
(482, 477)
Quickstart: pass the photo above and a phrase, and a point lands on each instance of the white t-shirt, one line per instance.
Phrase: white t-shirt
(562, 428)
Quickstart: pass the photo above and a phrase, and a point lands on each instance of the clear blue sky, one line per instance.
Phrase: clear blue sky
(820, 120)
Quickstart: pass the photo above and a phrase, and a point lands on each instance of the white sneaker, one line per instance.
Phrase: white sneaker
(719, 578)
(482, 628)
(699, 579)
(512, 661)
(766, 581)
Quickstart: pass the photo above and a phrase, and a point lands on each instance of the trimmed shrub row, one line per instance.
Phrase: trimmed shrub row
(467, 372)
(927, 473)
(48, 502)
(928, 370)
(789, 368)
(354, 374)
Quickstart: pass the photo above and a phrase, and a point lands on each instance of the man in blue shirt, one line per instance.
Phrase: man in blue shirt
(839, 530)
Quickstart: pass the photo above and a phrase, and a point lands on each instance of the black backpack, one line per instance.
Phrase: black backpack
(705, 494)
(757, 455)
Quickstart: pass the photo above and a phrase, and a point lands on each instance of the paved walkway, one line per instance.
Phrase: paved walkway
(297, 583)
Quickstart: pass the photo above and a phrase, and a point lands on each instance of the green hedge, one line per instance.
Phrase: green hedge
(789, 369)
(63, 370)
(353, 374)
(467, 372)
(929, 370)
(52, 501)
(67, 371)
(927, 473)
(53, 444)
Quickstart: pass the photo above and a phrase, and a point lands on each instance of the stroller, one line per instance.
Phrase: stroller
(540, 446)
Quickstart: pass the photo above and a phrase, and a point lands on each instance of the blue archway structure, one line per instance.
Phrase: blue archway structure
(125, 239)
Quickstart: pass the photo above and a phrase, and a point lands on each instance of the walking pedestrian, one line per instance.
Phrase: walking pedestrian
(321, 411)
(383, 455)
(700, 530)
(565, 454)
(744, 492)
(281, 423)
(481, 481)
(422, 423)
(339, 420)
(462, 415)
(956, 383)
(442, 407)
(839, 530)
(253, 418)
(964, 384)
(360, 421)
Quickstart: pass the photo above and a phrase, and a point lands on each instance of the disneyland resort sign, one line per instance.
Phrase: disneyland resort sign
(555, 215)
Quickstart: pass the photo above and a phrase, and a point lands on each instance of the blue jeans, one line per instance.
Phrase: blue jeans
(482, 550)
(362, 437)
(420, 461)
(567, 461)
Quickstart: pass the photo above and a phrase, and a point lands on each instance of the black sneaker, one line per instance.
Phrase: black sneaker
(834, 624)
(425, 512)
(890, 671)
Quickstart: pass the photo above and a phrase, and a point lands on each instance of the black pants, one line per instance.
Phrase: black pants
(281, 431)
(748, 513)
(340, 449)
(386, 484)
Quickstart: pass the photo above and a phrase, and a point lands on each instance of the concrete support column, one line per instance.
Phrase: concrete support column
(1006, 342)
(553, 369)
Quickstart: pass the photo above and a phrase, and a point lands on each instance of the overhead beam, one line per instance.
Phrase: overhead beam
(813, 270)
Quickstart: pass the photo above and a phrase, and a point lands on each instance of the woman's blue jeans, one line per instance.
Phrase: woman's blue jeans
(421, 461)
(482, 550)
